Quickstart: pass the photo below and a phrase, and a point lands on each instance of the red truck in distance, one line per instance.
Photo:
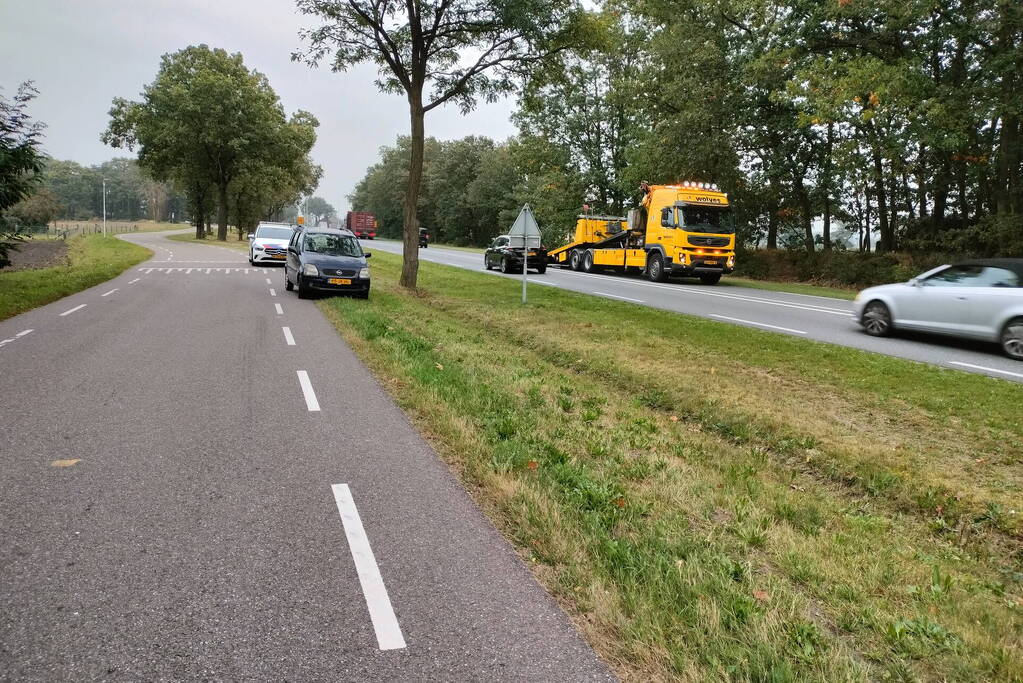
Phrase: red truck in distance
(363, 224)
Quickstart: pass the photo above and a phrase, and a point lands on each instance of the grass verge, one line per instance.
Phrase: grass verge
(232, 241)
(791, 287)
(712, 502)
(91, 259)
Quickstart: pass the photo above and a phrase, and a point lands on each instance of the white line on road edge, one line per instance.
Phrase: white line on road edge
(287, 336)
(73, 310)
(269, 281)
(110, 292)
(273, 292)
(23, 333)
(307, 391)
(616, 296)
(134, 281)
(381, 613)
(280, 311)
(752, 322)
(981, 367)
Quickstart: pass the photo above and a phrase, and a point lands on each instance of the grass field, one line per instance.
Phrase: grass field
(91, 259)
(232, 240)
(712, 502)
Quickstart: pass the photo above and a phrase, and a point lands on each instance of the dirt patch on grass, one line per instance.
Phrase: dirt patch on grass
(38, 254)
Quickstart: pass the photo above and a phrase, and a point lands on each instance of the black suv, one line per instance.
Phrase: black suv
(326, 260)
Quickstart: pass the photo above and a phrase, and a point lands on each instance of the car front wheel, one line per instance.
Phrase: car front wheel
(877, 319)
(1012, 339)
(287, 282)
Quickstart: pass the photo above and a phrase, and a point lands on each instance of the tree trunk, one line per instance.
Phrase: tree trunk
(410, 256)
(827, 187)
(886, 241)
(222, 213)
(200, 229)
(805, 213)
(772, 225)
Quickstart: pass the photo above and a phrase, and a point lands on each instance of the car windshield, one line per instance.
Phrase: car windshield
(707, 219)
(274, 233)
(332, 245)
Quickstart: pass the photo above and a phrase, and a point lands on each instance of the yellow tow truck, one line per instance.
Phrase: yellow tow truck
(685, 230)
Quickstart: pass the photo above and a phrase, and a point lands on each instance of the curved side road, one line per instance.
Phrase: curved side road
(201, 481)
(812, 317)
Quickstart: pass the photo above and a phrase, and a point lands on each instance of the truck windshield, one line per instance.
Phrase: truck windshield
(708, 219)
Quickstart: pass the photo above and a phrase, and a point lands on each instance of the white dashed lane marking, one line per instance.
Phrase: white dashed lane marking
(381, 613)
(307, 391)
(280, 311)
(76, 308)
(288, 339)
(110, 292)
(753, 322)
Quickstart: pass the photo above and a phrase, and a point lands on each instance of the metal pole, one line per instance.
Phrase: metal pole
(525, 260)
(104, 207)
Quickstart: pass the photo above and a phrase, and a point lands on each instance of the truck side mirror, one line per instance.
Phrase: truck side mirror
(666, 219)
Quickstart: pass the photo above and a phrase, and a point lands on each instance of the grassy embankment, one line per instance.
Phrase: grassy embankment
(733, 281)
(712, 502)
(232, 240)
(91, 259)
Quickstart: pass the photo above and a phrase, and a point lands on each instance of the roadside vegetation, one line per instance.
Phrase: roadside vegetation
(234, 241)
(711, 502)
(90, 260)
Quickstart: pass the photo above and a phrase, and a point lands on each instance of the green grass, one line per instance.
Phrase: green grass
(712, 502)
(90, 260)
(232, 242)
(791, 287)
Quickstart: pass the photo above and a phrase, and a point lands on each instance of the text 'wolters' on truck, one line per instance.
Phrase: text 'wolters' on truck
(684, 230)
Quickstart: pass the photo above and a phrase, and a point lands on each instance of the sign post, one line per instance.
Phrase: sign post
(524, 233)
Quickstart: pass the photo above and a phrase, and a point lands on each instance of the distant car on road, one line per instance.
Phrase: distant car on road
(500, 254)
(981, 299)
(270, 243)
(424, 238)
(326, 260)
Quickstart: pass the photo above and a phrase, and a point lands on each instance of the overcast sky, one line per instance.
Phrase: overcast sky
(83, 53)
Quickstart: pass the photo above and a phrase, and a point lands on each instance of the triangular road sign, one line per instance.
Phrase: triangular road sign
(525, 225)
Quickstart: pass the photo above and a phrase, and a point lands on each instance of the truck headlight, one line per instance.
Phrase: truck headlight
(364, 273)
(310, 269)
(731, 261)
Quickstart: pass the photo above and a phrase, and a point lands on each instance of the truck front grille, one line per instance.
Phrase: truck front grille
(702, 241)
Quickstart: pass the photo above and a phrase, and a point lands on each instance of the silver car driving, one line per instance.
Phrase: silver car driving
(980, 299)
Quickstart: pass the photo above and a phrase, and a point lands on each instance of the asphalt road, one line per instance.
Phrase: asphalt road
(219, 515)
(811, 317)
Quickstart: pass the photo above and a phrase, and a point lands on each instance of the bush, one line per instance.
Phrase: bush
(841, 268)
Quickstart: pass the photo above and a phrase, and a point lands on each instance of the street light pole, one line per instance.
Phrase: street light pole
(104, 207)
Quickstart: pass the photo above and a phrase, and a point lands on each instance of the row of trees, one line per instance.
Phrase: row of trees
(900, 120)
(898, 123)
(75, 192)
(21, 163)
(218, 132)
(472, 188)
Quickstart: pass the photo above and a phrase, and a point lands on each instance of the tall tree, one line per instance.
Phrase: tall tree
(21, 161)
(439, 51)
(202, 119)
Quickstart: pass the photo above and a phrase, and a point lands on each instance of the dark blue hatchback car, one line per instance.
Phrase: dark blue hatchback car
(326, 260)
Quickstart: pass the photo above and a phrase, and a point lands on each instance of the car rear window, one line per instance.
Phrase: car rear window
(274, 233)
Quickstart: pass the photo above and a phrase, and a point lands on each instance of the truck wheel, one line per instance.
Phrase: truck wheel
(655, 267)
(710, 279)
(588, 261)
(576, 260)
(541, 269)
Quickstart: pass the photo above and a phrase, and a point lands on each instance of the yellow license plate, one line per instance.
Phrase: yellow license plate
(710, 263)
(339, 281)
(280, 256)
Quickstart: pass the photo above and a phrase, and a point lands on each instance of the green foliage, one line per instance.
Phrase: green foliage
(213, 127)
(20, 162)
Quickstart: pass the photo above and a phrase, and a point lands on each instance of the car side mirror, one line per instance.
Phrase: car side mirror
(367, 254)
(251, 237)
(914, 282)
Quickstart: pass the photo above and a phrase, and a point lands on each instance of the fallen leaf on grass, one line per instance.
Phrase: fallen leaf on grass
(673, 418)
(620, 502)
(439, 366)
(67, 462)
(762, 596)
(532, 464)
